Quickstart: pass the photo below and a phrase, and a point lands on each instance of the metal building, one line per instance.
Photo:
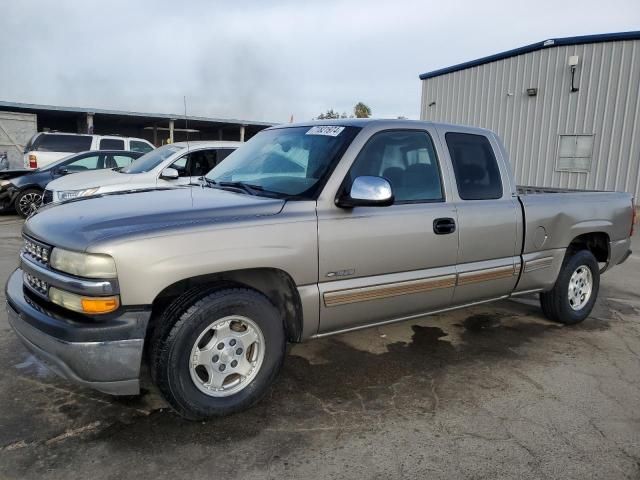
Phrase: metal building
(568, 109)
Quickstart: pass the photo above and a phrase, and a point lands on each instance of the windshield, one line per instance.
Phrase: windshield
(151, 160)
(292, 161)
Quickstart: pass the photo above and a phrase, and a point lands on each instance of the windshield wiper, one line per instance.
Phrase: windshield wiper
(210, 183)
(248, 188)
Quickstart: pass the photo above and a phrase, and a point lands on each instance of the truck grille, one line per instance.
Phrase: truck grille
(47, 197)
(36, 251)
(34, 283)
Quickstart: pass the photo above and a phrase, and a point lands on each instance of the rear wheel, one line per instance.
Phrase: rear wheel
(219, 354)
(575, 291)
(28, 201)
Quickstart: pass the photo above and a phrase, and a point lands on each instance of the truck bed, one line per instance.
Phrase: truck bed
(560, 215)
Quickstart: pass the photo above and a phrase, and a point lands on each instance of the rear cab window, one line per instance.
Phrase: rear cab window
(61, 143)
(475, 166)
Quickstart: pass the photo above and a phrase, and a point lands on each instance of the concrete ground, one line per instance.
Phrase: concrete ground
(489, 392)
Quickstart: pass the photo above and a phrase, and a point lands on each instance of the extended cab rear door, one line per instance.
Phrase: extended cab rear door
(489, 215)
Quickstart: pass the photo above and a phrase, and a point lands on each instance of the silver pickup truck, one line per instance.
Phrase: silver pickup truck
(307, 230)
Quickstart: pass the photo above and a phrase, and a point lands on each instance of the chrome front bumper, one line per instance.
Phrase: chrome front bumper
(103, 355)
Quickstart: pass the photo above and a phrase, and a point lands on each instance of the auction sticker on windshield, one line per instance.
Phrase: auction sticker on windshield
(328, 130)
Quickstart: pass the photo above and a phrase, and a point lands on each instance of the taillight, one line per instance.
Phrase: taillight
(33, 161)
(633, 218)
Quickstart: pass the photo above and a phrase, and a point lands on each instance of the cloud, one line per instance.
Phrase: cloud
(266, 60)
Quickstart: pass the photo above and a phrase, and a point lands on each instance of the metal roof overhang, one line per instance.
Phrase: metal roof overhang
(552, 42)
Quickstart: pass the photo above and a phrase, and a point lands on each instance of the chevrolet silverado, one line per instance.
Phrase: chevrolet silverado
(305, 231)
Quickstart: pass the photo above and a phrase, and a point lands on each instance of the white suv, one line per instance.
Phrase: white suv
(46, 148)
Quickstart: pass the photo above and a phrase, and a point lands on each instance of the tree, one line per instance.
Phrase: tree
(329, 115)
(361, 110)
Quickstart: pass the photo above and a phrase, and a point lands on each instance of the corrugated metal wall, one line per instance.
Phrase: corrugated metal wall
(494, 96)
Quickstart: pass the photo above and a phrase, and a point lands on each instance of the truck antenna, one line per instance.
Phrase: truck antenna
(186, 121)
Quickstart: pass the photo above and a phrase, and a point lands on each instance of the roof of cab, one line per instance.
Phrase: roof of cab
(380, 122)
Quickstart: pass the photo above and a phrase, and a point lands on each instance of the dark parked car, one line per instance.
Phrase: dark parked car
(22, 190)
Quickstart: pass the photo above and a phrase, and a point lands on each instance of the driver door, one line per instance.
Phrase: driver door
(380, 264)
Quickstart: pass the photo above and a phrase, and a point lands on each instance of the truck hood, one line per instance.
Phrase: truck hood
(93, 178)
(77, 224)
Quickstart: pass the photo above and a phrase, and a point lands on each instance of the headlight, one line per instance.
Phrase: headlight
(69, 194)
(91, 265)
(4, 182)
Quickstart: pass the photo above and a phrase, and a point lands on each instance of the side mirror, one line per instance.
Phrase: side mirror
(169, 174)
(63, 171)
(367, 191)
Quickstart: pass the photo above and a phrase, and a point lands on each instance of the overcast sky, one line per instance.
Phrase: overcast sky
(267, 60)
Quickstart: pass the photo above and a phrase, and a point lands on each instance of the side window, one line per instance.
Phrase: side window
(111, 144)
(86, 163)
(138, 146)
(475, 166)
(201, 162)
(121, 160)
(407, 159)
(181, 166)
(574, 153)
(224, 153)
(62, 143)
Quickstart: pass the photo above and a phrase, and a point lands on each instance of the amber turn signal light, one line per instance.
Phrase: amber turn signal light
(99, 305)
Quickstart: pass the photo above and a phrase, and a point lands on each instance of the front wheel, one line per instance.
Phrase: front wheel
(218, 355)
(575, 291)
(28, 201)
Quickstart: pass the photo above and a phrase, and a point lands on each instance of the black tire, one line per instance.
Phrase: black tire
(182, 324)
(27, 201)
(555, 303)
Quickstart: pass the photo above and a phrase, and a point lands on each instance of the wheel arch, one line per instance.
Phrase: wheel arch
(277, 285)
(31, 186)
(596, 242)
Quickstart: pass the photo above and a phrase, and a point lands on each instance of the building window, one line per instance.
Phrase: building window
(575, 153)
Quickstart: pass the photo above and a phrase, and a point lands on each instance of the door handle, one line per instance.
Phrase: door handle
(442, 226)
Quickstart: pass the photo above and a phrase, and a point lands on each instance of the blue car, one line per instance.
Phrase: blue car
(22, 190)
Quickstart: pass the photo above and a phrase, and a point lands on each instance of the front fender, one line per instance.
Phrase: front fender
(148, 265)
